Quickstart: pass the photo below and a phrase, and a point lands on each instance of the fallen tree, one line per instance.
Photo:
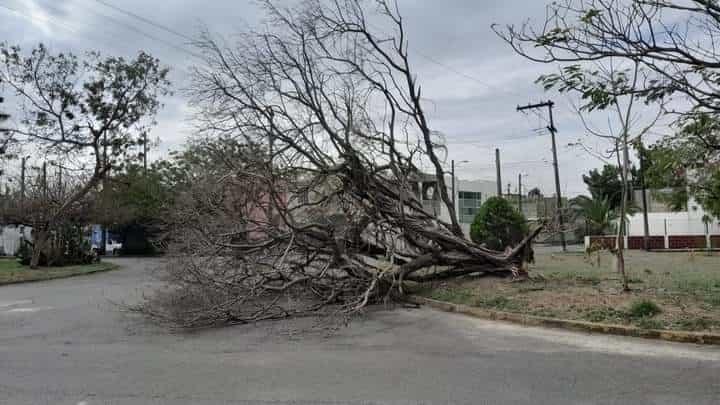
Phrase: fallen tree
(318, 209)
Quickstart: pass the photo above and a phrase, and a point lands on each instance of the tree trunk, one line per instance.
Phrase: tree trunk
(41, 236)
(621, 269)
(623, 212)
(39, 243)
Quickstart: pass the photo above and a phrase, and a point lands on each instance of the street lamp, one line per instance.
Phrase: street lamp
(520, 176)
(452, 170)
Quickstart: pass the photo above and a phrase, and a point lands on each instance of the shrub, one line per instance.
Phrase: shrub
(644, 309)
(605, 315)
(66, 247)
(647, 323)
(498, 225)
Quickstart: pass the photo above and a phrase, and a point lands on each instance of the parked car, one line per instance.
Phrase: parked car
(111, 247)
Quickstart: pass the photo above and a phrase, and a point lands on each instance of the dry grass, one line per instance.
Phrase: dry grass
(685, 288)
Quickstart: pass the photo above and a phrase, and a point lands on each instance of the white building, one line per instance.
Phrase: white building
(469, 196)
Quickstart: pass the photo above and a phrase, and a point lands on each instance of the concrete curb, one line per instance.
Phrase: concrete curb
(108, 267)
(591, 327)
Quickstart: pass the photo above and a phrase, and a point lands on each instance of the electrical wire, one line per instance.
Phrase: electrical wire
(129, 27)
(165, 28)
(146, 20)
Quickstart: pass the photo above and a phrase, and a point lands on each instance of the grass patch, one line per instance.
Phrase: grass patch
(500, 303)
(607, 315)
(456, 296)
(9, 264)
(649, 323)
(644, 309)
(675, 291)
(695, 324)
(713, 300)
(12, 272)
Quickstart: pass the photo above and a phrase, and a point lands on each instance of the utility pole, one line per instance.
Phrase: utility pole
(145, 152)
(103, 236)
(60, 183)
(520, 192)
(452, 174)
(552, 129)
(498, 180)
(44, 181)
(646, 224)
(22, 185)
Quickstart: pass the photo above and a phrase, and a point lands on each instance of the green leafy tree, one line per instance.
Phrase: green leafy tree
(598, 214)
(498, 225)
(605, 185)
(687, 164)
(133, 204)
(666, 175)
(202, 157)
(86, 111)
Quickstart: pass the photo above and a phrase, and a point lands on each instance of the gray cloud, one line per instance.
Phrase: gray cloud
(476, 114)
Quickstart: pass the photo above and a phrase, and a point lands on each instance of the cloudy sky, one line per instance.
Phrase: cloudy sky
(473, 81)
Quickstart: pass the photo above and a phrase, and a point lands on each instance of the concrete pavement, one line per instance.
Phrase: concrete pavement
(62, 342)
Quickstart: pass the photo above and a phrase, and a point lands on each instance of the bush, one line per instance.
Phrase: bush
(66, 247)
(24, 253)
(498, 225)
(644, 309)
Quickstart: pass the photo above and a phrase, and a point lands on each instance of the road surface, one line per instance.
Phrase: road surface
(62, 342)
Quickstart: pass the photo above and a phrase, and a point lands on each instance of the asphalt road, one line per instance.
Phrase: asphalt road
(61, 342)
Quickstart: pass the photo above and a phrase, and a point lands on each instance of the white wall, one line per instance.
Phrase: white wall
(678, 223)
(11, 237)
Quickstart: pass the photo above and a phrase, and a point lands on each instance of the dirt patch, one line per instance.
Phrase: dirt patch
(682, 290)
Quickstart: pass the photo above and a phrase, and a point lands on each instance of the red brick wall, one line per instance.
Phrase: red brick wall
(687, 242)
(654, 242)
(658, 242)
(715, 241)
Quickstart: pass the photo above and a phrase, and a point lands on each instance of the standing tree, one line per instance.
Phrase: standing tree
(86, 112)
(605, 185)
(133, 203)
(597, 214)
(498, 225)
(4, 117)
(335, 130)
(672, 42)
(608, 87)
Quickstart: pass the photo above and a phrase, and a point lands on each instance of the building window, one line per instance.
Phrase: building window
(469, 203)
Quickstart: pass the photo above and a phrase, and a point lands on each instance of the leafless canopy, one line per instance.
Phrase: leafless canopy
(327, 103)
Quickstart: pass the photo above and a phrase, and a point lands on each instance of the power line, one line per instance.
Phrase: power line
(188, 38)
(67, 27)
(145, 20)
(134, 29)
(448, 67)
(491, 142)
